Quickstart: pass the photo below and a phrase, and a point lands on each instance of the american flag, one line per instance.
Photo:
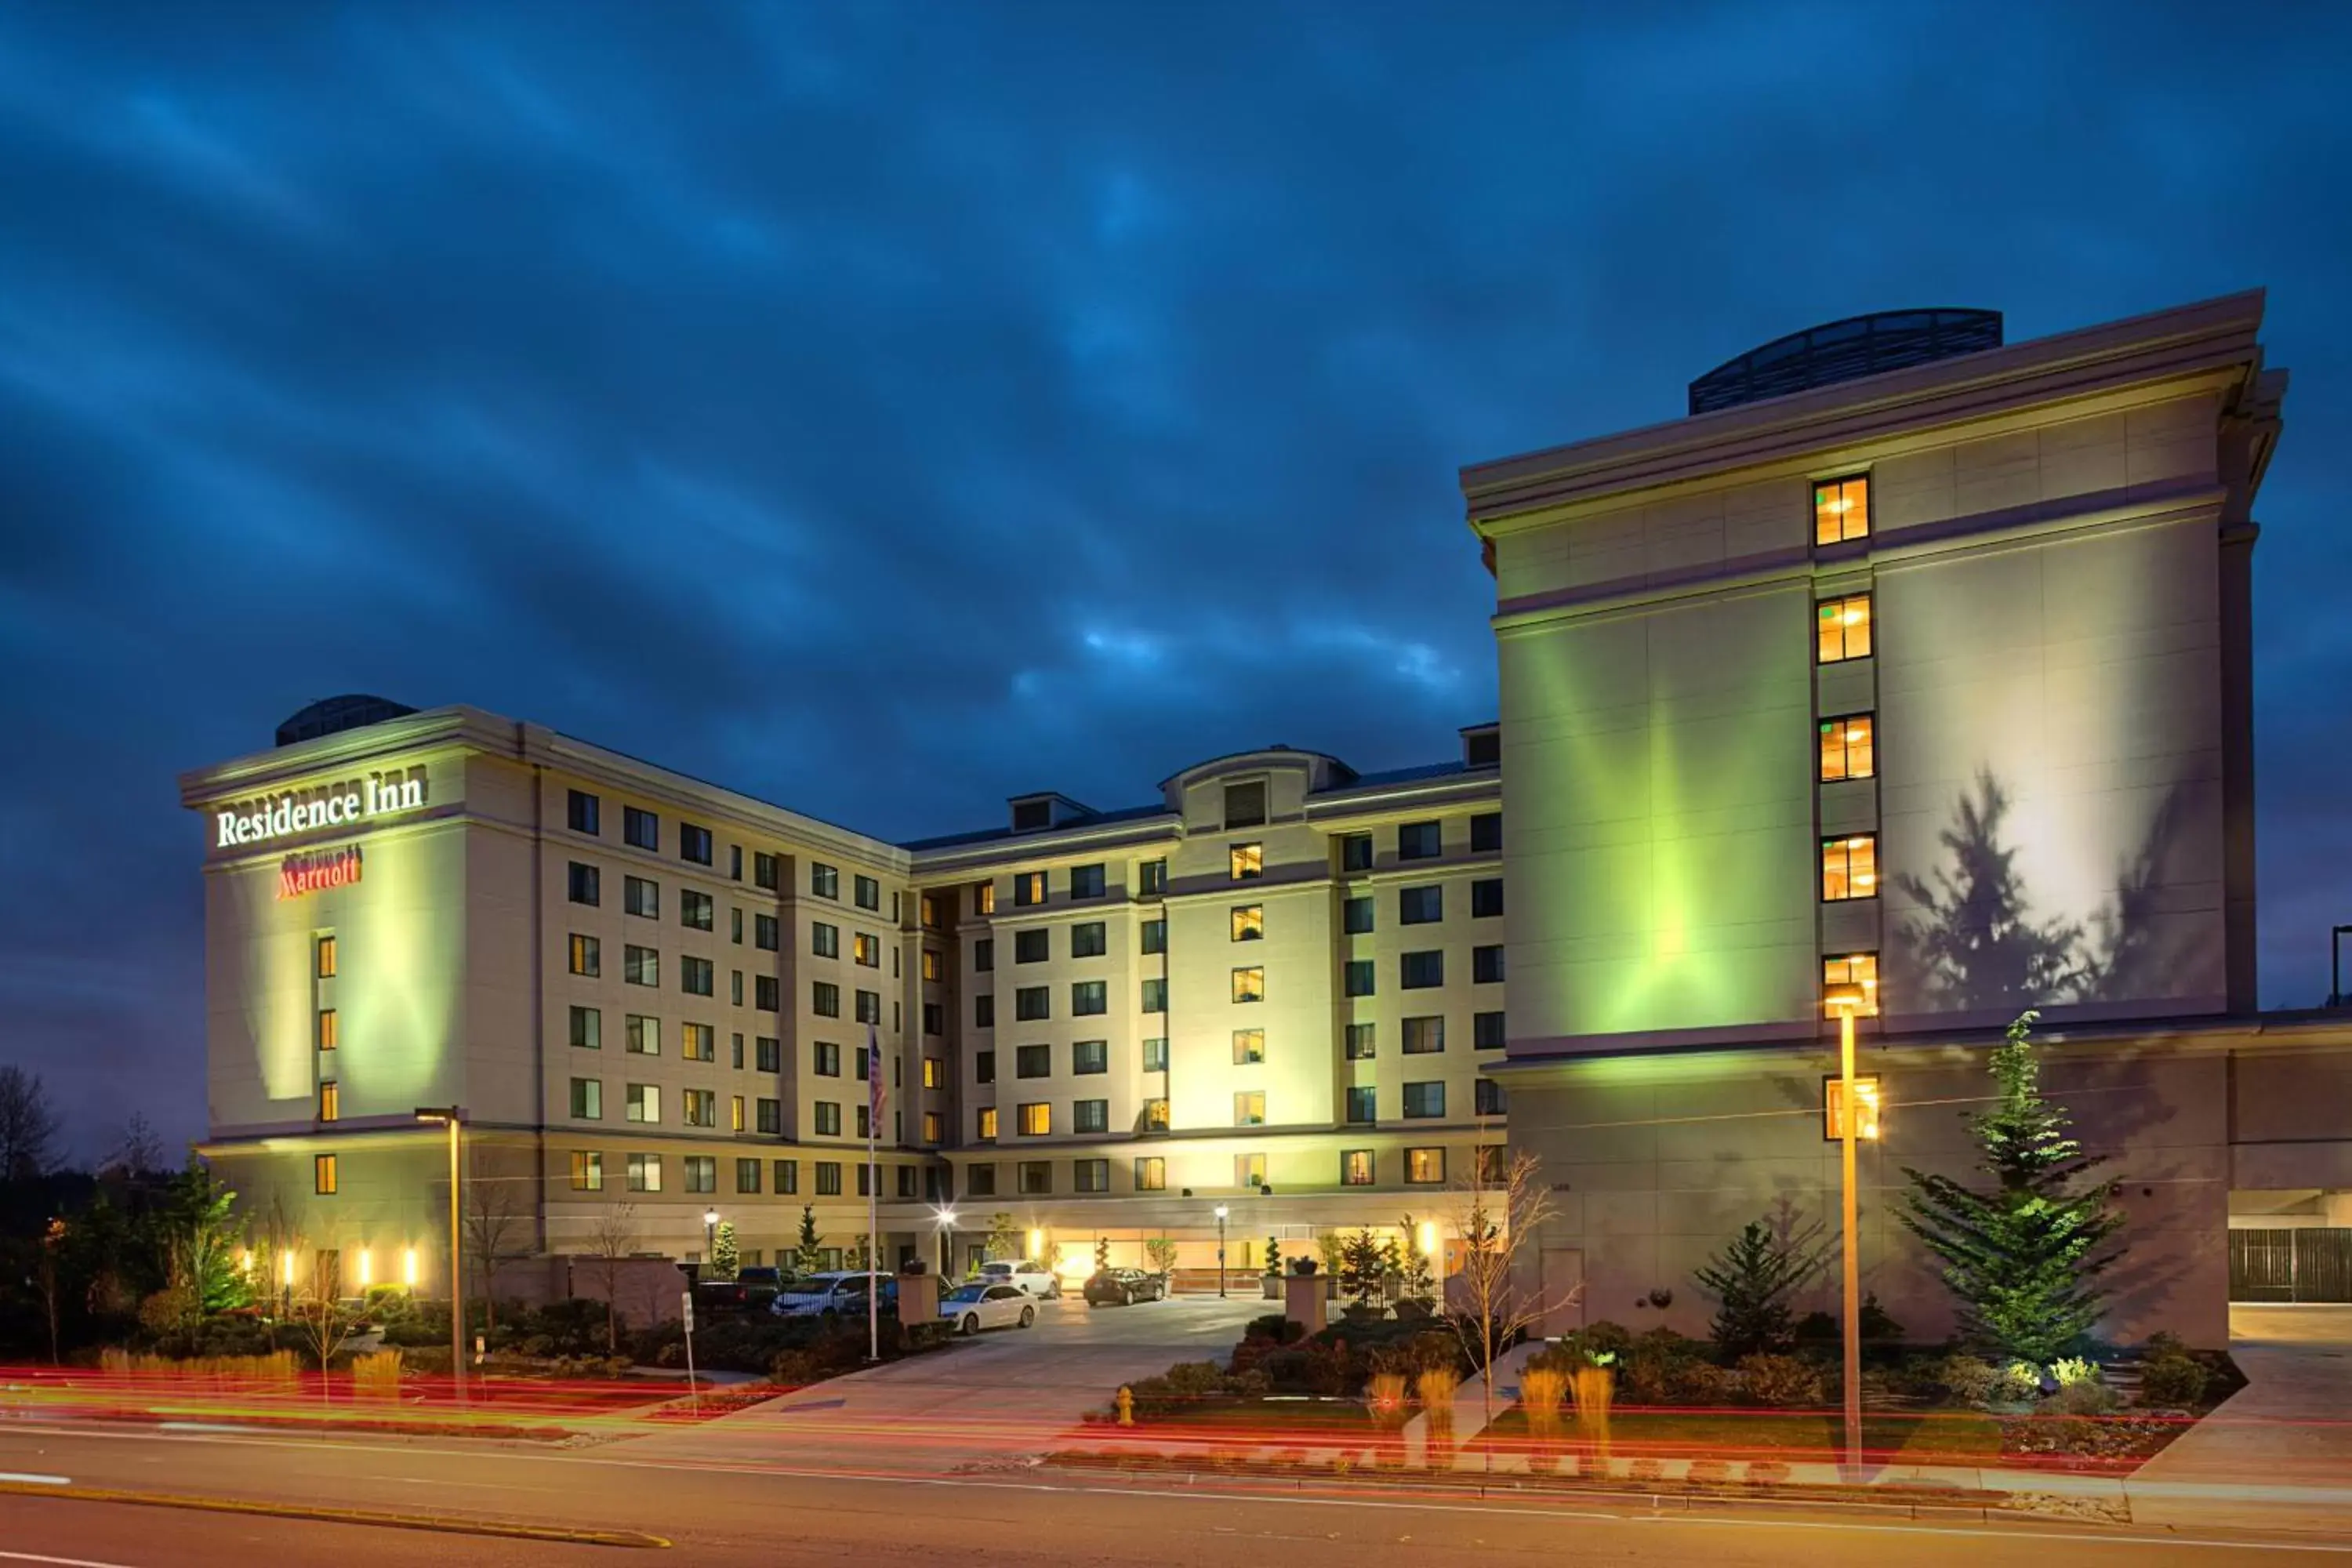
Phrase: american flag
(875, 1093)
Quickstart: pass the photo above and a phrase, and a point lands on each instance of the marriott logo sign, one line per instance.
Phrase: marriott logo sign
(306, 811)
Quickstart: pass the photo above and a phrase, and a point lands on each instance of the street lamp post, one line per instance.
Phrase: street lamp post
(947, 1217)
(710, 1242)
(453, 1116)
(1221, 1249)
(1846, 1001)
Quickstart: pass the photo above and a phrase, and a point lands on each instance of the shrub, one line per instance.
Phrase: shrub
(1385, 1397)
(2084, 1396)
(2019, 1381)
(1277, 1328)
(376, 1375)
(1699, 1382)
(2073, 1370)
(1878, 1326)
(1780, 1381)
(2174, 1380)
(1436, 1386)
(1542, 1392)
(1969, 1379)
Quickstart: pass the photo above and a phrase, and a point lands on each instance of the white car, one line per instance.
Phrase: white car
(980, 1305)
(830, 1295)
(1031, 1279)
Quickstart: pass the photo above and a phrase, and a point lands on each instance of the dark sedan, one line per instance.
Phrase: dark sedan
(1123, 1288)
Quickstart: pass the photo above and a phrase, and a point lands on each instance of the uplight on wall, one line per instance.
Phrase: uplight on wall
(408, 1266)
(1037, 1244)
(367, 1269)
(1428, 1239)
(286, 1268)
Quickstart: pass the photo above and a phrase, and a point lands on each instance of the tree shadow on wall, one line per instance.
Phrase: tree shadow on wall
(1976, 945)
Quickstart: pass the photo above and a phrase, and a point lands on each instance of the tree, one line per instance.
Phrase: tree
(28, 1126)
(806, 1260)
(490, 1221)
(197, 1227)
(1751, 1280)
(2023, 1257)
(53, 1241)
(137, 1150)
(1503, 1201)
(1359, 1268)
(1102, 1253)
(612, 1238)
(725, 1255)
(1161, 1252)
(324, 1323)
(1273, 1255)
(1003, 1237)
(1419, 1284)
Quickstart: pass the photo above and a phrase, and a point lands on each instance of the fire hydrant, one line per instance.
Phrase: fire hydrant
(1126, 1405)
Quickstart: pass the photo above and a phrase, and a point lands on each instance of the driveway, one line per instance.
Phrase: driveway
(2278, 1450)
(1007, 1391)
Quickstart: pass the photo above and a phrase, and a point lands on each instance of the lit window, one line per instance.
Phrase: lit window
(1248, 862)
(1151, 1173)
(986, 1130)
(330, 1102)
(1249, 984)
(1249, 1170)
(587, 1171)
(1850, 868)
(983, 898)
(1853, 969)
(930, 964)
(587, 955)
(1842, 510)
(928, 908)
(1249, 922)
(935, 1073)
(1036, 1118)
(330, 1034)
(1155, 1116)
(640, 1036)
(1249, 1046)
(645, 1102)
(1361, 1042)
(326, 959)
(934, 1129)
(1355, 1167)
(1847, 751)
(697, 1042)
(1842, 628)
(1249, 1108)
(1424, 1167)
(325, 1175)
(736, 1119)
(1028, 888)
(1865, 1095)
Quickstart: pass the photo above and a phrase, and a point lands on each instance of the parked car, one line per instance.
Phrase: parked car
(981, 1305)
(831, 1295)
(750, 1290)
(1123, 1288)
(1032, 1278)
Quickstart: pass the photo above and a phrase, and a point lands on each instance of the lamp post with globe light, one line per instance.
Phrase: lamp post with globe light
(1221, 1249)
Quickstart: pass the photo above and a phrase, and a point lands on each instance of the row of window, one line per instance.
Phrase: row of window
(641, 829)
(1089, 998)
(702, 1172)
(1357, 1168)
(642, 966)
(1422, 1102)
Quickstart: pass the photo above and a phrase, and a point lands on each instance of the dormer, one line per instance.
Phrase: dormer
(1481, 746)
(1036, 813)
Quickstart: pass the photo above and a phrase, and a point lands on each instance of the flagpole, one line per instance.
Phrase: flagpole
(873, 1194)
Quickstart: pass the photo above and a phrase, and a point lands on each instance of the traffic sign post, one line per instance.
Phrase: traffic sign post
(686, 1302)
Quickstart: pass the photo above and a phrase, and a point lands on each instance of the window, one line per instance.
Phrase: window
(935, 1073)
(1089, 998)
(1155, 1116)
(1356, 915)
(1842, 510)
(1028, 889)
(641, 896)
(735, 925)
(769, 1053)
(1091, 940)
(1421, 971)
(1087, 881)
(1849, 868)
(788, 1175)
(645, 1173)
(645, 1102)
(1155, 1053)
(1847, 751)
(1090, 1116)
(1246, 805)
(828, 1119)
(331, 1029)
(641, 966)
(747, 1174)
(1418, 841)
(1494, 1161)
(587, 1171)
(828, 1178)
(868, 893)
(1249, 984)
(1355, 1167)
(736, 1119)
(325, 966)
(1151, 877)
(1841, 628)
(1424, 1167)
(1247, 861)
(1249, 1047)
(985, 1129)
(983, 956)
(825, 1059)
(1356, 852)
(764, 870)
(694, 844)
(767, 1116)
(984, 1011)
(1033, 946)
(1361, 1104)
(641, 828)
(824, 882)
(694, 909)
(1487, 1097)
(1424, 1099)
(1486, 1032)
(934, 1127)
(1361, 1042)
(984, 1067)
(1358, 977)
(934, 965)
(587, 955)
(983, 898)
(1249, 1170)
(583, 884)
(1036, 1118)
(1031, 1002)
(330, 1102)
(701, 1173)
(1853, 969)
(1486, 964)
(1486, 833)
(1420, 906)
(1151, 1173)
(695, 976)
(1424, 1036)
(1088, 1057)
(640, 1036)
(1249, 1108)
(1155, 935)
(588, 1099)
(1249, 922)
(1034, 1177)
(825, 941)
(866, 948)
(1155, 995)
(767, 992)
(325, 1175)
(697, 1042)
(765, 933)
(583, 812)
(979, 1180)
(825, 999)
(906, 1180)
(1485, 897)
(1033, 1061)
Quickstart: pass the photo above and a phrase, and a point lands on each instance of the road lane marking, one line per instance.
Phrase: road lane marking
(63, 1562)
(26, 1479)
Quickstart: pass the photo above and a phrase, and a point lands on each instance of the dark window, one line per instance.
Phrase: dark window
(1245, 803)
(1363, 1042)
(979, 1180)
(747, 1174)
(869, 1007)
(906, 1180)
(984, 1067)
(1356, 852)
(1363, 1104)
(1089, 998)
(1090, 1116)
(1086, 881)
(1031, 1002)
(1486, 1031)
(1356, 915)
(868, 892)
(1033, 946)
(828, 1124)
(1419, 971)
(641, 966)
(642, 829)
(934, 1018)
(1155, 1053)
(825, 1059)
(1155, 935)
(767, 994)
(1090, 940)
(696, 909)
(983, 956)
(788, 1175)
(828, 1172)
(824, 939)
(825, 881)
(694, 843)
(641, 898)
(768, 1053)
(588, 1029)
(1155, 995)
(1486, 965)
(772, 1116)
(695, 976)
(1424, 1101)
(1089, 1057)
(1359, 977)
(1486, 833)
(1090, 1175)
(984, 1011)
(584, 884)
(1489, 1096)
(764, 875)
(765, 932)
(825, 999)
(1484, 749)
(1033, 1061)
(1424, 1036)
(1036, 1177)
(1485, 897)
(1151, 877)
(1028, 816)
(585, 813)
(1418, 841)
(1420, 906)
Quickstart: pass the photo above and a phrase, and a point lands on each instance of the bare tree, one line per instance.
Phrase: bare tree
(614, 1238)
(1500, 1202)
(28, 1126)
(137, 1150)
(489, 1221)
(319, 1312)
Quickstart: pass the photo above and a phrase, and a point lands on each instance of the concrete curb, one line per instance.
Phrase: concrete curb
(447, 1524)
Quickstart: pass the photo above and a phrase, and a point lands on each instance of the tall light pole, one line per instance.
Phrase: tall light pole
(947, 1241)
(454, 1118)
(1221, 1249)
(711, 1241)
(1845, 1001)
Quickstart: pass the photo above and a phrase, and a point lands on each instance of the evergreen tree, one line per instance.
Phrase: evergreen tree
(1751, 1280)
(2023, 1257)
(806, 1260)
(1102, 1253)
(199, 1242)
(1359, 1268)
(726, 1252)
